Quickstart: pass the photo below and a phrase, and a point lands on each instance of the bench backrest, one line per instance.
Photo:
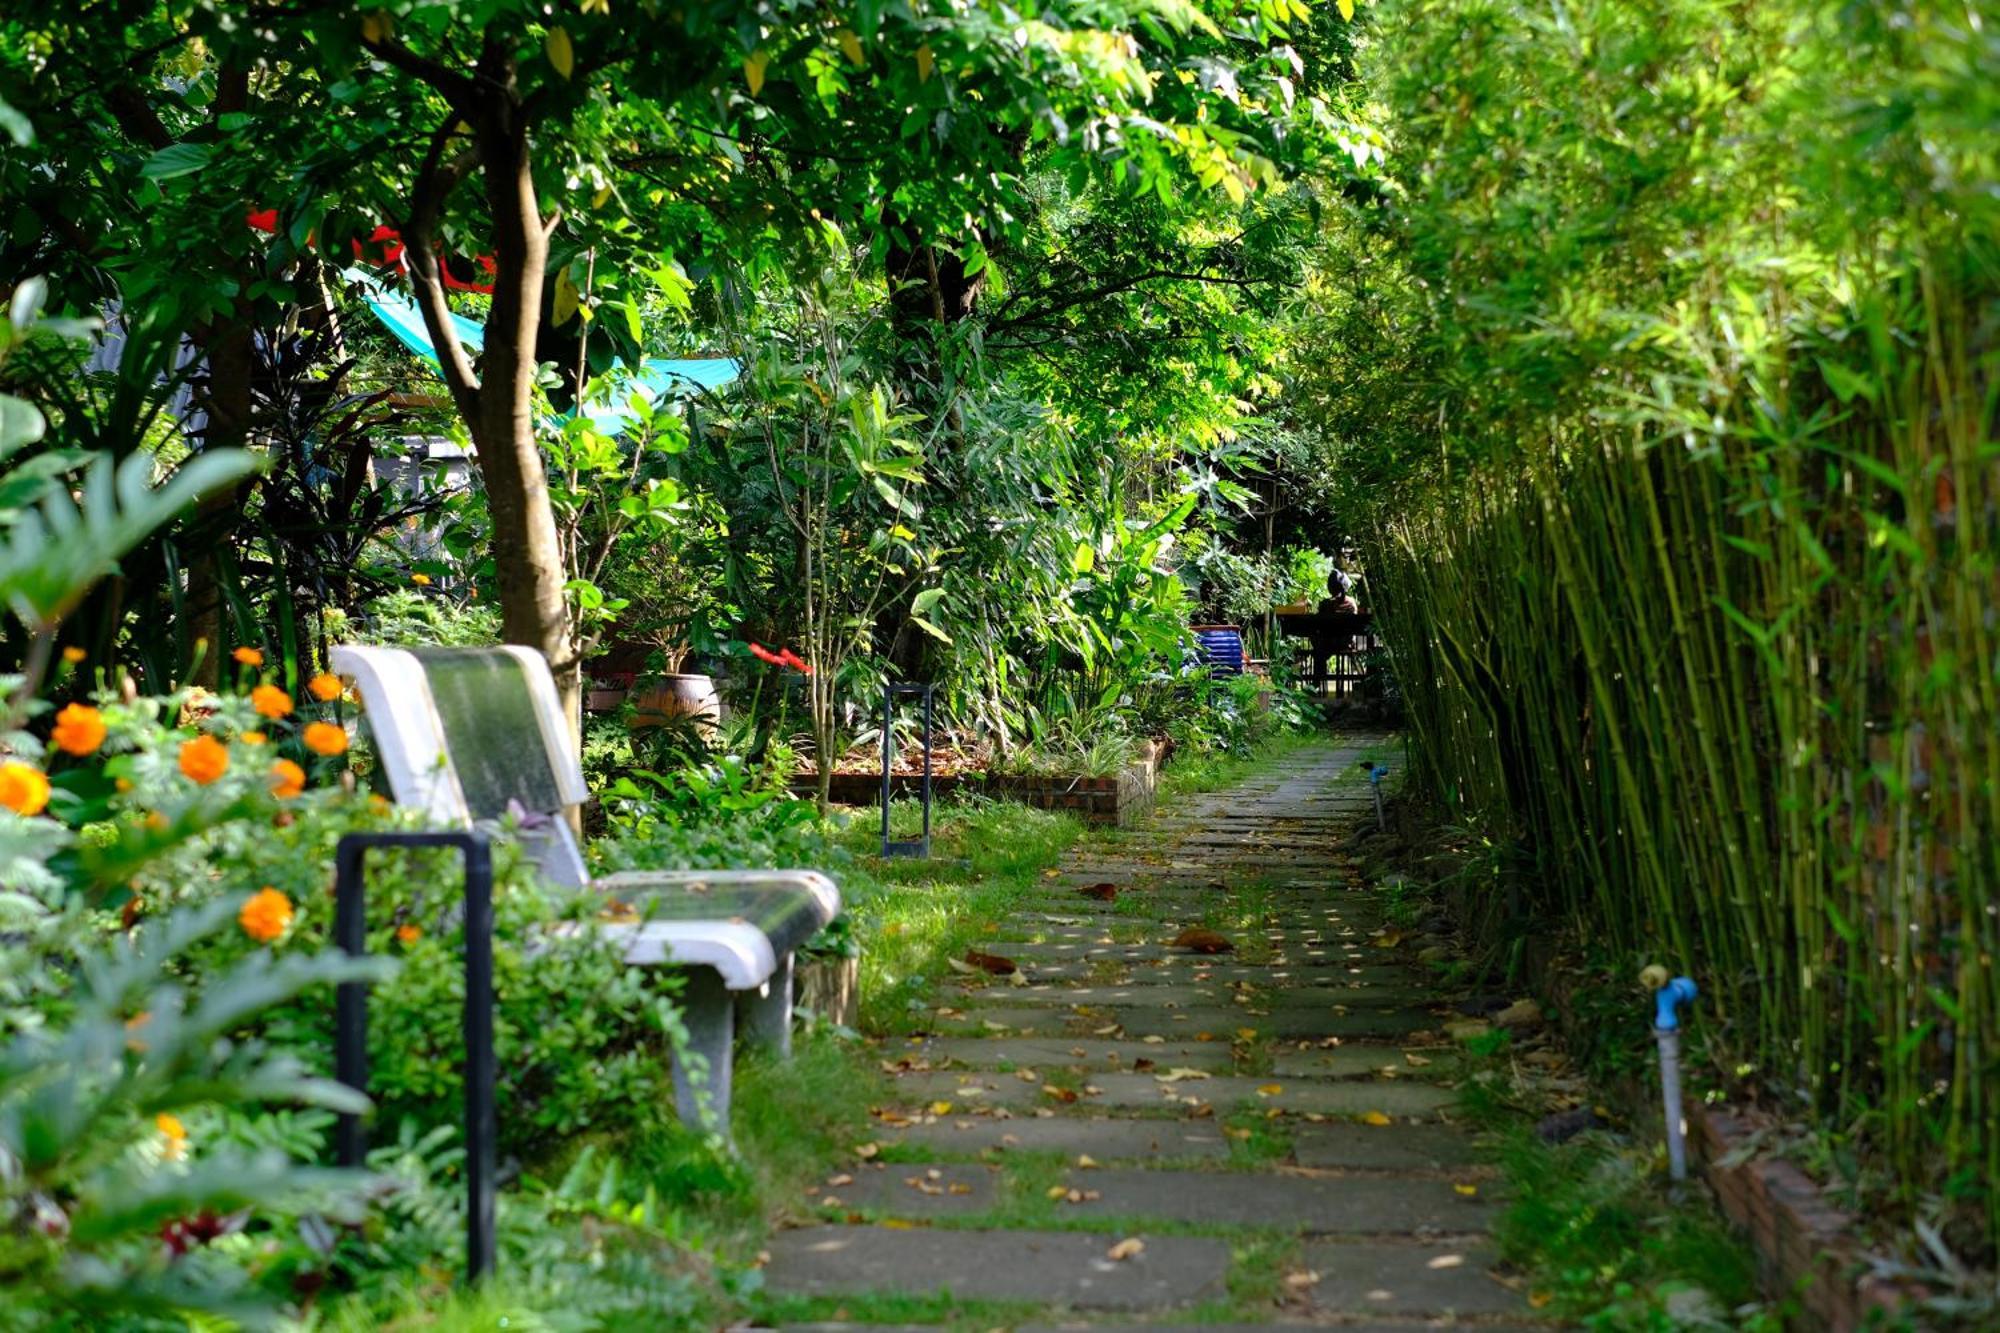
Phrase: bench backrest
(471, 735)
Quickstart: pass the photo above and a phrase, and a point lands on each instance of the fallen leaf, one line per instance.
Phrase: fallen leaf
(992, 963)
(1197, 940)
(1130, 1247)
(1299, 1281)
(1058, 1191)
(1247, 1034)
(959, 1187)
(1540, 1299)
(1027, 1076)
(1063, 1095)
(1154, 1040)
(1104, 891)
(940, 1108)
(1086, 1161)
(1181, 1075)
(1416, 1061)
(1375, 1118)
(835, 1182)
(1467, 1190)
(1270, 1090)
(867, 1151)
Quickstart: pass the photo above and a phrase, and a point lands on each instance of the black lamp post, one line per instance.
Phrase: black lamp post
(890, 693)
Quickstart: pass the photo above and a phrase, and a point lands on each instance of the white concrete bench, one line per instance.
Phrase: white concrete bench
(472, 736)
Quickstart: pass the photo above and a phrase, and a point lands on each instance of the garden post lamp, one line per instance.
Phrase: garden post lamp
(350, 1018)
(891, 692)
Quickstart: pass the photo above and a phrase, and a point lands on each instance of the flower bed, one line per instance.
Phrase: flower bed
(1120, 799)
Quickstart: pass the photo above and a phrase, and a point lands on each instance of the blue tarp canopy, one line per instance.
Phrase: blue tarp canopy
(657, 378)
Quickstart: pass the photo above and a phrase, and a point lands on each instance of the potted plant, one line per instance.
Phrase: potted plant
(828, 982)
(673, 697)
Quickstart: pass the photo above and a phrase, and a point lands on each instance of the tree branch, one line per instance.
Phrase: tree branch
(435, 182)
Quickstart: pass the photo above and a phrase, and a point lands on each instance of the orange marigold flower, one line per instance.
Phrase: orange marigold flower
(409, 934)
(156, 821)
(79, 729)
(174, 1132)
(287, 779)
(122, 784)
(249, 656)
(266, 914)
(204, 759)
(74, 654)
(270, 701)
(325, 687)
(254, 737)
(24, 789)
(421, 580)
(326, 738)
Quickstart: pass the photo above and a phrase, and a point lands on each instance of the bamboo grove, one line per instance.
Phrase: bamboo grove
(1679, 454)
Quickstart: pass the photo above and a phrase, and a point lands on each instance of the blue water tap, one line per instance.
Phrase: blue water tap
(1376, 772)
(1668, 999)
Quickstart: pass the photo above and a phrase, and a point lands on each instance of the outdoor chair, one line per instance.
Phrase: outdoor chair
(476, 737)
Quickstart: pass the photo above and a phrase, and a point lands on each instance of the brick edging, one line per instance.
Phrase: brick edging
(1805, 1246)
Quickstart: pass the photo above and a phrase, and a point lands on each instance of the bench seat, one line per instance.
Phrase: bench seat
(476, 737)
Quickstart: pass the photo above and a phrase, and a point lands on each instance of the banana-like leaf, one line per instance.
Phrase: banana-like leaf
(55, 552)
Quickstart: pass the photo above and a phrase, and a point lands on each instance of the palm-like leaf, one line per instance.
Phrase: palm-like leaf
(55, 551)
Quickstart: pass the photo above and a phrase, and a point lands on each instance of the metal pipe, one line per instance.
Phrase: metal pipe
(1668, 996)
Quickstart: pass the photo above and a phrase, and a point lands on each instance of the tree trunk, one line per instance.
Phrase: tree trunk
(527, 553)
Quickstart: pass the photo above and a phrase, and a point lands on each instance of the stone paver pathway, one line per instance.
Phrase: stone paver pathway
(1129, 1132)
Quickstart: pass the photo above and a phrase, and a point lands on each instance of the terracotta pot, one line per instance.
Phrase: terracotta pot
(659, 700)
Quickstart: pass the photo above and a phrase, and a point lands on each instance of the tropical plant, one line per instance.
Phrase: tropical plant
(112, 1195)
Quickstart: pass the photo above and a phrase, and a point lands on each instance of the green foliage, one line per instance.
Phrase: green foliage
(105, 1124)
(1669, 402)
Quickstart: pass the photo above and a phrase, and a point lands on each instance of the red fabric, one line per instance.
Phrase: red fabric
(784, 657)
(389, 241)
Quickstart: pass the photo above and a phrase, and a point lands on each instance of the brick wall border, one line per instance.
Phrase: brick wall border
(1122, 800)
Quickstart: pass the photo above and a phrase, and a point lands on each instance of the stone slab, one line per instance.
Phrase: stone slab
(1440, 1062)
(1352, 1147)
(1045, 1267)
(1344, 1326)
(900, 1189)
(1100, 1139)
(971, 1092)
(1216, 1020)
(1172, 994)
(1351, 1205)
(1434, 1279)
(1080, 1052)
(1190, 971)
